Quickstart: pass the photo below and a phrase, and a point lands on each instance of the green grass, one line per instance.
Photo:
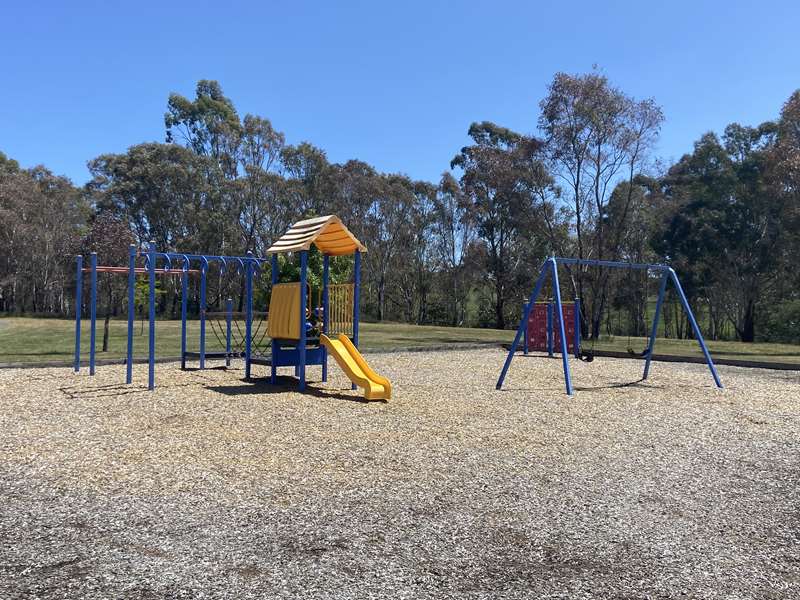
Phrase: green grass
(31, 340)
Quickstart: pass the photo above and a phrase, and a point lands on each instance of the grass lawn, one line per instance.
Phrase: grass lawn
(32, 340)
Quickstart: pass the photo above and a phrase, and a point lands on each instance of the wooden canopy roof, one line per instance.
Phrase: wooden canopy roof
(327, 233)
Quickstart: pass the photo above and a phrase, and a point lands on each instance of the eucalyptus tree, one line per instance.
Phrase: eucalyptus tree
(209, 125)
(596, 136)
(388, 232)
(166, 193)
(42, 217)
(452, 234)
(503, 179)
(726, 229)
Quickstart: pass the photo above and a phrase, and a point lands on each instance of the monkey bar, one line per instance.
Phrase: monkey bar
(248, 264)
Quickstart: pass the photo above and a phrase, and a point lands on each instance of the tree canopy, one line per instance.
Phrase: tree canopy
(460, 251)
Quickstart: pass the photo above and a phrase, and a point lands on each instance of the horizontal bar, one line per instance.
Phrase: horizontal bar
(222, 313)
(213, 355)
(610, 263)
(140, 270)
(211, 257)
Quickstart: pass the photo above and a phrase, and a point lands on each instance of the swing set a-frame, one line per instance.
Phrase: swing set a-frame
(550, 268)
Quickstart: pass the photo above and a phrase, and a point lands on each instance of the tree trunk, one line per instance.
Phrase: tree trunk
(499, 305)
(748, 326)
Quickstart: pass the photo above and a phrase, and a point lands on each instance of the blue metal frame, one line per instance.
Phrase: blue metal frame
(248, 332)
(131, 312)
(695, 327)
(325, 316)
(184, 307)
(151, 258)
(576, 344)
(228, 321)
(273, 371)
(301, 350)
(93, 313)
(151, 350)
(356, 296)
(551, 266)
(523, 323)
(654, 331)
(203, 290)
(561, 329)
(78, 310)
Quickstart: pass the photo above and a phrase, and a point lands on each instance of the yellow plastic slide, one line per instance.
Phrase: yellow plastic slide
(356, 368)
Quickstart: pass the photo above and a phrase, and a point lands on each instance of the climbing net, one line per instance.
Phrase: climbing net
(259, 344)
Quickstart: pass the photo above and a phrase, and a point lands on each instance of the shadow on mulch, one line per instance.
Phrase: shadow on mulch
(285, 384)
(639, 383)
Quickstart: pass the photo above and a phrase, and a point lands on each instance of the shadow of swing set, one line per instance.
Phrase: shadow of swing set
(550, 269)
(287, 317)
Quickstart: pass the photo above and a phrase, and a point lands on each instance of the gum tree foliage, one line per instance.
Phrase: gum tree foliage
(503, 179)
(461, 251)
(42, 217)
(596, 136)
(726, 225)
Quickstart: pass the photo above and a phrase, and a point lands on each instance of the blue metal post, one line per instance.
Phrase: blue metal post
(184, 306)
(654, 331)
(550, 339)
(523, 323)
(78, 307)
(203, 285)
(273, 370)
(131, 311)
(228, 317)
(695, 327)
(151, 356)
(301, 348)
(577, 340)
(560, 313)
(93, 312)
(325, 316)
(248, 326)
(356, 298)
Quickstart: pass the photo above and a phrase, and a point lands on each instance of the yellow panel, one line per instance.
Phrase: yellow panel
(284, 311)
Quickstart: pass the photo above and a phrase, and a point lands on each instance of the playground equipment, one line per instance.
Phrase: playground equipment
(291, 345)
(550, 268)
(286, 323)
(248, 264)
(376, 387)
(539, 332)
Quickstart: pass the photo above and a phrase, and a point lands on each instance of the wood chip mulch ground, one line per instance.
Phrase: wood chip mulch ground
(212, 487)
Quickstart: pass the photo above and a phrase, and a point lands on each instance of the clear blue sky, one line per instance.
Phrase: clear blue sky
(393, 83)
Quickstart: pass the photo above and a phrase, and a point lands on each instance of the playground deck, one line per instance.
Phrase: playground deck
(212, 486)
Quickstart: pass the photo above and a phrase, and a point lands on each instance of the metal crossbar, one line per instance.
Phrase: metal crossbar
(614, 264)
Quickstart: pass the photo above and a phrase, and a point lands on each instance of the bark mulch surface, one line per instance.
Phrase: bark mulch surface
(212, 487)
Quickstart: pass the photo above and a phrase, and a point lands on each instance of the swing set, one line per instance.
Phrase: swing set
(550, 270)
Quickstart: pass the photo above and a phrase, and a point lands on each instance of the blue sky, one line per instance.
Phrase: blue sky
(395, 84)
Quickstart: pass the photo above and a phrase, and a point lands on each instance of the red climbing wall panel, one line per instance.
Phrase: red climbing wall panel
(537, 328)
